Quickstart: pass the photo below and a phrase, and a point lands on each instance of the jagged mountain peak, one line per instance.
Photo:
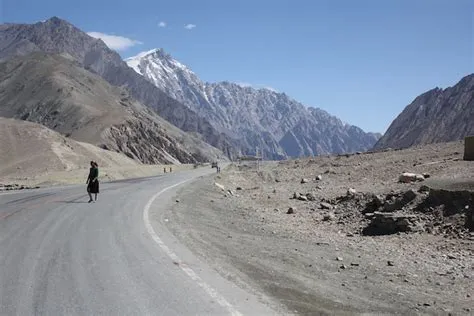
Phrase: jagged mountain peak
(258, 116)
(157, 56)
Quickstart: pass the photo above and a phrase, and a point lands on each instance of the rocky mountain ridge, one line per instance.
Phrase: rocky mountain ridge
(56, 36)
(58, 93)
(439, 115)
(262, 118)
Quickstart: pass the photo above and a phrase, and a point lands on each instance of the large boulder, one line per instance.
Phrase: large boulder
(391, 223)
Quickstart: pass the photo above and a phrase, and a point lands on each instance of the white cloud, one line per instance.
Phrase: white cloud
(115, 42)
(190, 26)
(162, 24)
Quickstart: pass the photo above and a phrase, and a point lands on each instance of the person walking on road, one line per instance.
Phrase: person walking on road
(93, 181)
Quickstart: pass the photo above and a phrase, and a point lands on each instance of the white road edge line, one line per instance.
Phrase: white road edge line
(206, 287)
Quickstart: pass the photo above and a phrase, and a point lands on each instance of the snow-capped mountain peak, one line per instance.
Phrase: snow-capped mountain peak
(256, 115)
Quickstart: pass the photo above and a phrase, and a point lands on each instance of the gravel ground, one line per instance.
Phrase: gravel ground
(318, 261)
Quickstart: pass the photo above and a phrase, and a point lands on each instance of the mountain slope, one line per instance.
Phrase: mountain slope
(435, 116)
(58, 93)
(30, 149)
(57, 36)
(259, 117)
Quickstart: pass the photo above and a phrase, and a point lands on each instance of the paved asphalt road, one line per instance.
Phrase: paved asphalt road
(60, 255)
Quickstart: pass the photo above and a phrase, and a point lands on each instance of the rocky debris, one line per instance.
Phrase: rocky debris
(391, 223)
(329, 217)
(230, 192)
(302, 197)
(351, 192)
(239, 188)
(291, 210)
(319, 177)
(339, 258)
(304, 180)
(409, 196)
(408, 177)
(310, 197)
(325, 206)
(390, 263)
(424, 189)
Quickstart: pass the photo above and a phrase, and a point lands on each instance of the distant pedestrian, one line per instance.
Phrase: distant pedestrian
(164, 170)
(93, 181)
(171, 170)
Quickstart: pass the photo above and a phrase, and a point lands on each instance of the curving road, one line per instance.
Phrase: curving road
(60, 255)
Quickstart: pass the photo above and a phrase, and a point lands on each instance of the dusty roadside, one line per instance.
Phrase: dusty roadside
(318, 261)
(79, 176)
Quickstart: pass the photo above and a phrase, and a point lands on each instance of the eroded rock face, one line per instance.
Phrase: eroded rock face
(57, 36)
(55, 92)
(435, 116)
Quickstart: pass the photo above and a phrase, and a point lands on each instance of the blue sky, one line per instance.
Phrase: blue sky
(362, 61)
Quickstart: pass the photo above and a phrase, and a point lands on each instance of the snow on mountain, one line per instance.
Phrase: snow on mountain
(260, 117)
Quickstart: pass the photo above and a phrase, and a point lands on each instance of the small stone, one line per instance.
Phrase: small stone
(343, 267)
(450, 256)
(239, 188)
(354, 264)
(390, 263)
(343, 284)
(304, 180)
(291, 210)
(328, 217)
(426, 175)
(325, 206)
(409, 196)
(302, 198)
(277, 180)
(319, 177)
(339, 258)
(220, 186)
(310, 197)
(351, 192)
(350, 235)
(426, 304)
(276, 210)
(177, 200)
(274, 191)
(424, 189)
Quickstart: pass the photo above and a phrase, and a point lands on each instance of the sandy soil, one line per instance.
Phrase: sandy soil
(32, 155)
(315, 264)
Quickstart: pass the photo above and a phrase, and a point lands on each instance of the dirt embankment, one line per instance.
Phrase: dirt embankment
(341, 235)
